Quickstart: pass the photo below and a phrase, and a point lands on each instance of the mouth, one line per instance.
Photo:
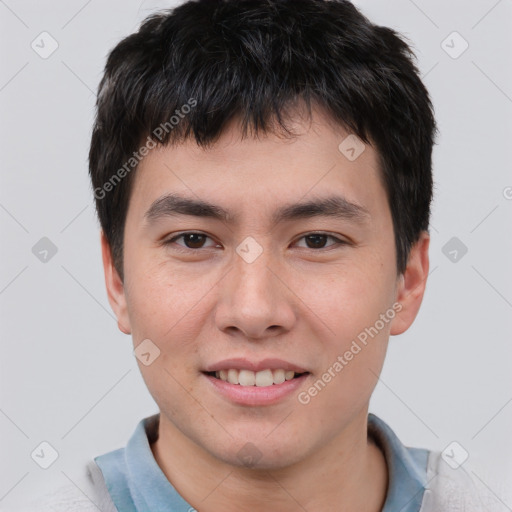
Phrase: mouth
(247, 378)
(248, 388)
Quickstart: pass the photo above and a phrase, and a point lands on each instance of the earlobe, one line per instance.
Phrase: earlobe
(115, 287)
(411, 285)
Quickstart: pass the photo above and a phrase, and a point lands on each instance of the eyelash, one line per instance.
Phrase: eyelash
(188, 249)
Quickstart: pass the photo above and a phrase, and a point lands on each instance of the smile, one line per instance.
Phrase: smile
(263, 378)
(261, 388)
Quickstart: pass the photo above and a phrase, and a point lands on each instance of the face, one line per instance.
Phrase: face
(267, 287)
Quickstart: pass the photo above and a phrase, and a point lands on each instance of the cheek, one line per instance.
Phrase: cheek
(358, 310)
(352, 299)
(163, 304)
(344, 384)
(163, 313)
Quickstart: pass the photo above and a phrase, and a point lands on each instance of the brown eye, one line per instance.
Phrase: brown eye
(318, 240)
(194, 240)
(191, 240)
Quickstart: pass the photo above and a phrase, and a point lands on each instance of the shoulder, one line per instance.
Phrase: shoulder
(88, 495)
(454, 488)
(66, 498)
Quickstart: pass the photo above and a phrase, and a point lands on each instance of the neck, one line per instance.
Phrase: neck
(347, 473)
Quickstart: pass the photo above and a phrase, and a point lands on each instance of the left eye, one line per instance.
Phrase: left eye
(196, 240)
(316, 239)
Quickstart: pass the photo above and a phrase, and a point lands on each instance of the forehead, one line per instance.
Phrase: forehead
(264, 173)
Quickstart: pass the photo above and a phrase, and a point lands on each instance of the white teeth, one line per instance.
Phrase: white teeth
(246, 378)
(262, 378)
(233, 376)
(279, 377)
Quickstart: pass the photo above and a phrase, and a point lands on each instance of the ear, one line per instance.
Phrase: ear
(115, 287)
(411, 285)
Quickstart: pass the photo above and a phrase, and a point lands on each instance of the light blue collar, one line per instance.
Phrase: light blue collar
(407, 468)
(137, 484)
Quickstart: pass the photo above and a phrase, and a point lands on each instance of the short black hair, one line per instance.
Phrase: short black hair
(190, 70)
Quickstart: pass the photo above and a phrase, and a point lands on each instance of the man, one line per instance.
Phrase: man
(262, 175)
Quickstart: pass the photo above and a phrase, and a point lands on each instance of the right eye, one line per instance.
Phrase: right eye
(193, 240)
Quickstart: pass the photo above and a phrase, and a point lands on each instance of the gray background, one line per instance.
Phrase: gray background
(68, 376)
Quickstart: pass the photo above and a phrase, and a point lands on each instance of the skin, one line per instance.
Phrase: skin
(298, 302)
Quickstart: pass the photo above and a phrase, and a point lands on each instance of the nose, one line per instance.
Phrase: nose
(255, 299)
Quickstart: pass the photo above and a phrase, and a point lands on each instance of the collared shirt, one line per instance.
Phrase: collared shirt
(137, 484)
(129, 480)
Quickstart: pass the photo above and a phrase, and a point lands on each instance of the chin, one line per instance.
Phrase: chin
(259, 454)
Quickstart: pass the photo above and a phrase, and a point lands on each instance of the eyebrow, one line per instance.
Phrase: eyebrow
(171, 205)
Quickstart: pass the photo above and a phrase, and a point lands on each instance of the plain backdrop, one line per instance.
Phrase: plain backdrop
(68, 376)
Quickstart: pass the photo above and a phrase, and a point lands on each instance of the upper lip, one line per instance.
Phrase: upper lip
(255, 366)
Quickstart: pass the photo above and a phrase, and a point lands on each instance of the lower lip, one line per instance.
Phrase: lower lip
(257, 395)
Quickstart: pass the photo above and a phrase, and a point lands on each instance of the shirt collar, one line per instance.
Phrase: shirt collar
(407, 468)
(149, 483)
(136, 482)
